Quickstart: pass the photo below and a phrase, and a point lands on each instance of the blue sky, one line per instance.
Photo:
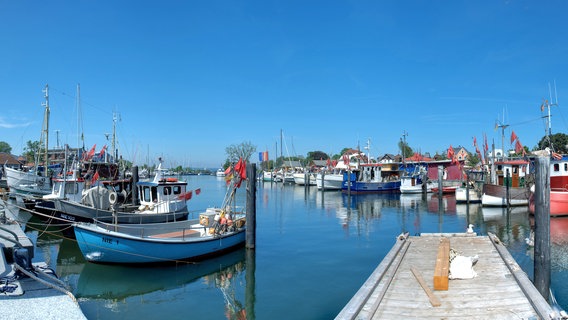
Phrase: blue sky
(189, 78)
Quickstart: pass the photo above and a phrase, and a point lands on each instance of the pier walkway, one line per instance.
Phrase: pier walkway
(29, 290)
(402, 286)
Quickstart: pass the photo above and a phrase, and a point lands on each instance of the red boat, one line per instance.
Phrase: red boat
(445, 190)
(558, 186)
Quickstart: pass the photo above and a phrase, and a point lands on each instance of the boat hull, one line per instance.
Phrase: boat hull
(462, 195)
(496, 196)
(330, 181)
(558, 203)
(69, 211)
(359, 187)
(103, 246)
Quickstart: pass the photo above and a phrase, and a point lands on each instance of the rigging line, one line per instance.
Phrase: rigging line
(71, 96)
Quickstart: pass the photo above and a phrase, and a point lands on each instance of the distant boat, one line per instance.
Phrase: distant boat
(462, 195)
(417, 180)
(373, 178)
(37, 181)
(300, 178)
(220, 172)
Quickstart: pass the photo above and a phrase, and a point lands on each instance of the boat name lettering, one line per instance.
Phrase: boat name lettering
(107, 240)
(67, 217)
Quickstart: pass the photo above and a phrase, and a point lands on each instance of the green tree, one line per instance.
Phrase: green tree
(405, 149)
(236, 151)
(316, 155)
(472, 159)
(5, 147)
(31, 150)
(557, 142)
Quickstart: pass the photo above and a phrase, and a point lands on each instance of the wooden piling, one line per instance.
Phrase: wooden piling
(251, 207)
(440, 180)
(542, 226)
(135, 178)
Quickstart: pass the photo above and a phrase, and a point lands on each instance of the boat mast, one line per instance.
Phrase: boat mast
(403, 147)
(548, 104)
(45, 131)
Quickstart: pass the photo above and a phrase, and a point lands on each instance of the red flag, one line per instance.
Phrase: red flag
(239, 166)
(197, 191)
(91, 153)
(556, 156)
(188, 195)
(513, 136)
(102, 153)
(485, 145)
(519, 147)
(450, 152)
(95, 177)
(265, 156)
(475, 142)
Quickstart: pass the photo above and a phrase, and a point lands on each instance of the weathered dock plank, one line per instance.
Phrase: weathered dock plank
(501, 290)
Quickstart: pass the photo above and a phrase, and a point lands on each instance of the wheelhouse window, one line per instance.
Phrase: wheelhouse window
(177, 190)
(557, 167)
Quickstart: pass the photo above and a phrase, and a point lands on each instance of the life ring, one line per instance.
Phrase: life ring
(171, 179)
(204, 220)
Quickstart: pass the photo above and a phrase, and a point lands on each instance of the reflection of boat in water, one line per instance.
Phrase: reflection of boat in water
(445, 204)
(559, 230)
(497, 213)
(119, 281)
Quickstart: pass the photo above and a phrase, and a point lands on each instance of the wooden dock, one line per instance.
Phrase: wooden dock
(501, 289)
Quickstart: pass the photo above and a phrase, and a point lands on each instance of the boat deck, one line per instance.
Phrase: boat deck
(501, 289)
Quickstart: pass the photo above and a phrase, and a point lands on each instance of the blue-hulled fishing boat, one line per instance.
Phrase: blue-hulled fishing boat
(215, 231)
(372, 178)
(161, 242)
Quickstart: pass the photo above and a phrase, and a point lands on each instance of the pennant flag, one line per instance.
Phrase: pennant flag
(102, 153)
(185, 196)
(91, 153)
(556, 156)
(519, 147)
(485, 145)
(95, 177)
(450, 152)
(197, 191)
(475, 142)
(513, 136)
(241, 171)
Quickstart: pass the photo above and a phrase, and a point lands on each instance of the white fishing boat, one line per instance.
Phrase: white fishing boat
(160, 200)
(37, 180)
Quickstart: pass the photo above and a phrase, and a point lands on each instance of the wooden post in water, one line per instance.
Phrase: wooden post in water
(135, 179)
(251, 207)
(440, 180)
(507, 188)
(349, 182)
(467, 188)
(542, 226)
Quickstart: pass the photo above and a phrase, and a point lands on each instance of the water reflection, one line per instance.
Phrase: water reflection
(304, 238)
(120, 282)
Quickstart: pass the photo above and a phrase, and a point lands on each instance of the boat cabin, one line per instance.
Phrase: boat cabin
(512, 173)
(165, 195)
(559, 174)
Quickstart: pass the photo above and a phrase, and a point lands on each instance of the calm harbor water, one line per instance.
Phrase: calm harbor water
(313, 251)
